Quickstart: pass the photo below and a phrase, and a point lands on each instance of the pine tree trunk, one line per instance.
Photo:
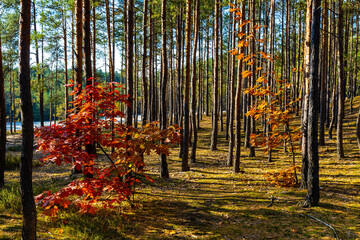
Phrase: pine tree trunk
(215, 111)
(130, 62)
(305, 110)
(186, 137)
(313, 193)
(342, 83)
(193, 82)
(27, 139)
(2, 122)
(324, 71)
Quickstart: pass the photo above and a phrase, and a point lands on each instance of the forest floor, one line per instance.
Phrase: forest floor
(210, 202)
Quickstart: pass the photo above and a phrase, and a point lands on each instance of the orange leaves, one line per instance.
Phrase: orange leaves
(284, 178)
(64, 143)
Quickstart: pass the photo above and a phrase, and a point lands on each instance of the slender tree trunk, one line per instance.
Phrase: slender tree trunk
(94, 42)
(207, 72)
(164, 171)
(27, 139)
(305, 110)
(186, 137)
(130, 62)
(313, 194)
(178, 68)
(108, 29)
(2, 122)
(231, 100)
(215, 111)
(65, 61)
(221, 72)
(193, 82)
(323, 75)
(236, 165)
(78, 43)
(143, 70)
(342, 83)
(271, 70)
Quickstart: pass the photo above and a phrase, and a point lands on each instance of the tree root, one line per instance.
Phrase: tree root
(326, 224)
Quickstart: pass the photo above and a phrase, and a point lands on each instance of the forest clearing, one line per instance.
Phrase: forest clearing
(209, 201)
(179, 119)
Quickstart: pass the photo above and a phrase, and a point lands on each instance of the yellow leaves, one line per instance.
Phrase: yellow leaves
(239, 57)
(243, 43)
(246, 73)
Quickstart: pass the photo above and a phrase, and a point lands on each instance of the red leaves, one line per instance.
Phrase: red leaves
(64, 143)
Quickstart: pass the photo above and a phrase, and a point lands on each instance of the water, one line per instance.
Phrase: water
(47, 123)
(18, 125)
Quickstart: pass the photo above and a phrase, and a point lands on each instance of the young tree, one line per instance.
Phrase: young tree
(27, 197)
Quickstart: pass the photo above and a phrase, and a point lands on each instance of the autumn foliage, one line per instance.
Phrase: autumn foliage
(96, 119)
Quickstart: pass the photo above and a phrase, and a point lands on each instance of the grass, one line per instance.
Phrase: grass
(209, 202)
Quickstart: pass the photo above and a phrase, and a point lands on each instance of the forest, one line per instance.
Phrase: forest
(179, 119)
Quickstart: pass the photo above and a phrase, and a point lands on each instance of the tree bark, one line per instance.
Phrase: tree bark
(236, 165)
(78, 43)
(186, 137)
(27, 139)
(164, 171)
(313, 194)
(143, 70)
(130, 62)
(2, 122)
(193, 82)
(305, 110)
(342, 83)
(215, 111)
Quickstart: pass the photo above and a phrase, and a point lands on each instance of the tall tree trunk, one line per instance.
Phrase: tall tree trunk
(253, 73)
(193, 82)
(63, 17)
(108, 29)
(231, 99)
(271, 69)
(2, 122)
(90, 148)
(221, 72)
(130, 62)
(215, 111)
(236, 165)
(94, 42)
(164, 171)
(324, 71)
(78, 43)
(27, 139)
(186, 137)
(313, 194)
(178, 68)
(305, 110)
(342, 83)
(143, 70)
